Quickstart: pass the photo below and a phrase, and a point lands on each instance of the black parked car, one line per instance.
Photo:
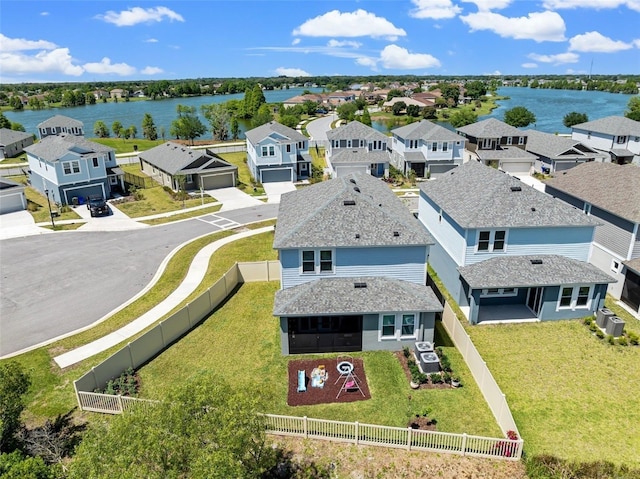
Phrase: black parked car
(98, 206)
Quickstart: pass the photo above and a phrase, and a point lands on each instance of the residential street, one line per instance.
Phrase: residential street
(53, 284)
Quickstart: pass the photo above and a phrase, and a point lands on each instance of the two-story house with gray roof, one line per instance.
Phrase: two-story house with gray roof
(58, 124)
(353, 269)
(558, 153)
(426, 148)
(506, 251)
(70, 166)
(13, 142)
(609, 193)
(171, 163)
(495, 143)
(356, 147)
(617, 136)
(276, 152)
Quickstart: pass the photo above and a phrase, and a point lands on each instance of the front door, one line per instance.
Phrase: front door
(534, 300)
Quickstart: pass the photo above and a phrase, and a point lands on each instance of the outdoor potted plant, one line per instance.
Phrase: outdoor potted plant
(455, 381)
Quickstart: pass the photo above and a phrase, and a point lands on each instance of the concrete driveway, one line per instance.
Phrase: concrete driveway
(18, 224)
(275, 190)
(116, 221)
(232, 198)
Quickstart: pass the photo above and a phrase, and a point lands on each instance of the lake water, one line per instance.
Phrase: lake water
(549, 107)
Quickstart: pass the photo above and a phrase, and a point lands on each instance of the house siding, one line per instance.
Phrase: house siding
(447, 270)
(404, 263)
(445, 231)
(593, 139)
(616, 234)
(370, 333)
(635, 252)
(602, 259)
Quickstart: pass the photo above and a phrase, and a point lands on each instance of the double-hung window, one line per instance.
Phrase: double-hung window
(399, 326)
(492, 240)
(70, 167)
(434, 146)
(317, 261)
(388, 328)
(574, 297)
(326, 261)
(309, 261)
(95, 162)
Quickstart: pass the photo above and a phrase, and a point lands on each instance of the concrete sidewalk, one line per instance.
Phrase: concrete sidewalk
(194, 277)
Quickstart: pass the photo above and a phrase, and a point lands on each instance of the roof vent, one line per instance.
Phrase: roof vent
(533, 208)
(535, 261)
(352, 181)
(359, 285)
(516, 188)
(349, 202)
(357, 235)
(356, 189)
(396, 233)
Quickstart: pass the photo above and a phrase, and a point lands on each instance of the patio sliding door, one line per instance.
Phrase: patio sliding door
(534, 300)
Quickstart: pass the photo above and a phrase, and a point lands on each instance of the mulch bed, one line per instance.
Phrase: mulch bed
(328, 393)
(405, 367)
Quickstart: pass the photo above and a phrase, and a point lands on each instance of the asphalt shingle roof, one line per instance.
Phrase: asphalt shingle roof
(491, 128)
(341, 296)
(54, 147)
(633, 264)
(478, 196)
(506, 153)
(428, 131)
(612, 187)
(359, 155)
(356, 130)
(557, 147)
(260, 133)
(335, 214)
(519, 272)
(62, 121)
(173, 157)
(8, 136)
(611, 125)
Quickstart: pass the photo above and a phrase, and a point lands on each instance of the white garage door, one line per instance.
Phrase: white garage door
(345, 170)
(517, 167)
(282, 174)
(12, 202)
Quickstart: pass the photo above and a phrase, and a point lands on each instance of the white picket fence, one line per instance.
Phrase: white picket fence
(350, 432)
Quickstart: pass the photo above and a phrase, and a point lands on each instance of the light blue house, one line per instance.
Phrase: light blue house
(277, 153)
(356, 147)
(69, 166)
(353, 269)
(507, 251)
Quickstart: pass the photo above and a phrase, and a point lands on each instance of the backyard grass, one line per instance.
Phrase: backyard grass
(571, 394)
(318, 158)
(123, 145)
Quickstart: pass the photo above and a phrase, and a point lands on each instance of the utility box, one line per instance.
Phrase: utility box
(602, 317)
(429, 363)
(615, 326)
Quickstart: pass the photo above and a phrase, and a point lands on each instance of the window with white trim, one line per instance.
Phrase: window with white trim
(575, 297)
(521, 140)
(70, 167)
(399, 326)
(615, 265)
(502, 292)
(317, 261)
(326, 261)
(268, 151)
(434, 146)
(509, 140)
(486, 143)
(95, 162)
(388, 326)
(189, 178)
(308, 261)
(288, 148)
(445, 146)
(492, 240)
(621, 139)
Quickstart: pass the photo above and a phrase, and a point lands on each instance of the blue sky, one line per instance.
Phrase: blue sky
(109, 41)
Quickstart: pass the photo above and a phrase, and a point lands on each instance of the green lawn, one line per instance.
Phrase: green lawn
(122, 145)
(571, 394)
(245, 181)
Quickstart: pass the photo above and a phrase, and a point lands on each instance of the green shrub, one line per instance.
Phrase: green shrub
(593, 327)
(599, 333)
(623, 341)
(436, 378)
(125, 385)
(587, 321)
(406, 351)
(611, 339)
(633, 338)
(445, 363)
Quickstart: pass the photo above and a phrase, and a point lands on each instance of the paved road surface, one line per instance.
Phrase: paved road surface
(56, 283)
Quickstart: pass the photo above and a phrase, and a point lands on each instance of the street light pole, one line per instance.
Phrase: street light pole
(53, 225)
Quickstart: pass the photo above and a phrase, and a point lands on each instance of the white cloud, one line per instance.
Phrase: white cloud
(44, 14)
(135, 15)
(55, 61)
(594, 4)
(151, 71)
(496, 73)
(368, 62)
(558, 59)
(18, 44)
(292, 72)
(637, 43)
(435, 9)
(105, 67)
(355, 24)
(151, 40)
(537, 26)
(393, 56)
(484, 5)
(295, 41)
(596, 42)
(529, 65)
(345, 43)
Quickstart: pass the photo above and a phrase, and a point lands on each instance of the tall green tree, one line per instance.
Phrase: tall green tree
(132, 131)
(263, 116)
(519, 116)
(235, 128)
(4, 121)
(149, 130)
(463, 118)
(187, 125)
(633, 109)
(257, 100)
(100, 129)
(219, 119)
(117, 128)
(347, 111)
(366, 117)
(475, 89)
(574, 118)
(14, 384)
(204, 429)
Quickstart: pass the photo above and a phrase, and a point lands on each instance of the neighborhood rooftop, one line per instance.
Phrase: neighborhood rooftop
(355, 130)
(555, 146)
(359, 295)
(60, 120)
(426, 130)
(172, 157)
(359, 155)
(528, 271)
(611, 187)
(478, 196)
(611, 125)
(354, 210)
(55, 147)
(269, 129)
(491, 128)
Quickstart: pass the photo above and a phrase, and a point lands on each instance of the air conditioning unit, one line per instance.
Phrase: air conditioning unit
(602, 317)
(615, 326)
(423, 347)
(429, 363)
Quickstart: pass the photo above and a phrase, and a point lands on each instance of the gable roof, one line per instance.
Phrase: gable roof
(341, 296)
(6, 183)
(8, 136)
(426, 130)
(557, 147)
(359, 155)
(53, 147)
(356, 130)
(173, 158)
(611, 125)
(490, 128)
(609, 186)
(62, 121)
(354, 210)
(260, 133)
(520, 272)
(478, 196)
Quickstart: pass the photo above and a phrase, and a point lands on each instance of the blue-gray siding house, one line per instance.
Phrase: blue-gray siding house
(507, 251)
(353, 269)
(356, 147)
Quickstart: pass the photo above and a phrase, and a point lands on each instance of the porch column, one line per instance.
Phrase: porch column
(474, 306)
